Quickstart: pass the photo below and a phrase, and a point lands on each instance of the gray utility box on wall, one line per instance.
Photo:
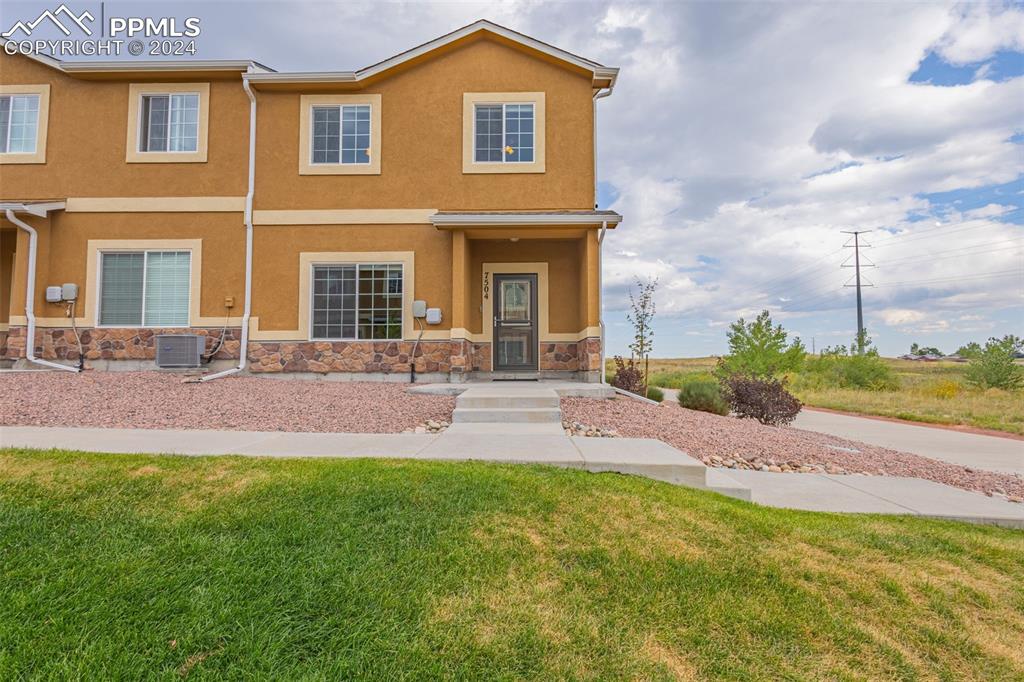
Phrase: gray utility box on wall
(179, 350)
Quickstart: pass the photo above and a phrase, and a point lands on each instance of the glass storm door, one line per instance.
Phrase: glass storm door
(515, 323)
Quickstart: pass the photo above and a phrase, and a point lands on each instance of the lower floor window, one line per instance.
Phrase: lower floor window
(145, 288)
(359, 301)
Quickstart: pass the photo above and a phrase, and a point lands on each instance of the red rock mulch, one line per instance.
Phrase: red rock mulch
(719, 441)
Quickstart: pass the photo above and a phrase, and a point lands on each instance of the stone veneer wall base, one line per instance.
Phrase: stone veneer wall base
(455, 361)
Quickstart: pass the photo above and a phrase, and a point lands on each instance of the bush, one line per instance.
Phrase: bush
(837, 369)
(704, 396)
(760, 349)
(765, 400)
(995, 366)
(656, 394)
(628, 377)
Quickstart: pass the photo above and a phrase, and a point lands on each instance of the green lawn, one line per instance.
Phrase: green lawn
(935, 392)
(131, 567)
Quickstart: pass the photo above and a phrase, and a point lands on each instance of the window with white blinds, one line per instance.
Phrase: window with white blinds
(145, 288)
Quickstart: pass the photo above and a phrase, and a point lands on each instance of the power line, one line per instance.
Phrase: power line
(988, 275)
(856, 260)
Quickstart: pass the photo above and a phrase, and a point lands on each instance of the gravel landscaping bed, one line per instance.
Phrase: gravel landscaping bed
(745, 444)
(157, 400)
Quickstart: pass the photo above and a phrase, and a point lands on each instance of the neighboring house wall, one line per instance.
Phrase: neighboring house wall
(88, 122)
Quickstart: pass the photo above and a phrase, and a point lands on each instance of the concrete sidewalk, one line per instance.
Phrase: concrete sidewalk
(878, 495)
(1005, 455)
(639, 456)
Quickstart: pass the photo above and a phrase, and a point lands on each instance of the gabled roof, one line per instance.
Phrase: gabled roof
(256, 73)
(603, 76)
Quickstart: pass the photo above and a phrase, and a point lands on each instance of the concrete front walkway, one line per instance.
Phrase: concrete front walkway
(878, 494)
(640, 456)
(1005, 455)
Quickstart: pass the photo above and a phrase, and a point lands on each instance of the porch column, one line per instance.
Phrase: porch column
(459, 267)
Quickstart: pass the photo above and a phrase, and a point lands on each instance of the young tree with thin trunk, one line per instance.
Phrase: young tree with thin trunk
(641, 317)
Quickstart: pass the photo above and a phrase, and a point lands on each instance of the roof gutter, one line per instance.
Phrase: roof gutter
(243, 347)
(30, 295)
(512, 219)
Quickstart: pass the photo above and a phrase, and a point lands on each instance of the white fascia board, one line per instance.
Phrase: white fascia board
(531, 219)
(39, 209)
(156, 66)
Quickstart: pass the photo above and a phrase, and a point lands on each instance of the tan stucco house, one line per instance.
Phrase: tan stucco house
(298, 220)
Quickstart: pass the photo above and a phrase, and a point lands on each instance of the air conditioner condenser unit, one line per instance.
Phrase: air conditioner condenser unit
(179, 350)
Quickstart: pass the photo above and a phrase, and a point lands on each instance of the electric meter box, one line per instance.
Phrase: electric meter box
(69, 292)
(433, 316)
(419, 308)
(53, 294)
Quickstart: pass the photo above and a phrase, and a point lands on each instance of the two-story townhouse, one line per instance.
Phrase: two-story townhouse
(304, 221)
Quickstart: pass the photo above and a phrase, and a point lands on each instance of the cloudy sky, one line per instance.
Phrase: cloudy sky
(743, 139)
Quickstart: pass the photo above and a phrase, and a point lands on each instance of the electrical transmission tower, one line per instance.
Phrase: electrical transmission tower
(856, 246)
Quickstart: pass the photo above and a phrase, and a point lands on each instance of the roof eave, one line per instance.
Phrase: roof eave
(36, 208)
(522, 220)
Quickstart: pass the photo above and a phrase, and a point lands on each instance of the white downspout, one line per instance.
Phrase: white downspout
(600, 241)
(243, 347)
(30, 295)
(600, 294)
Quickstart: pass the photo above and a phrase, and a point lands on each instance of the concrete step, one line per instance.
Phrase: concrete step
(506, 401)
(720, 482)
(529, 415)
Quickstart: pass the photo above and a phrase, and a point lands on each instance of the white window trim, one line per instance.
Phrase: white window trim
(469, 102)
(358, 264)
(42, 123)
(504, 158)
(145, 267)
(306, 104)
(136, 91)
(341, 114)
(141, 122)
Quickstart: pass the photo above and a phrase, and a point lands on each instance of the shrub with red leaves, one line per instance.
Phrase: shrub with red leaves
(628, 377)
(765, 400)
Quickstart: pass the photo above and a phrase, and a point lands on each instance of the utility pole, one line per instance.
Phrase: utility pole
(856, 265)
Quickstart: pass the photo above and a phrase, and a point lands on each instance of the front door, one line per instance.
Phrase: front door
(515, 323)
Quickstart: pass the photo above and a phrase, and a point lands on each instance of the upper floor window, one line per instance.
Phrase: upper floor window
(170, 123)
(23, 116)
(19, 121)
(504, 133)
(341, 134)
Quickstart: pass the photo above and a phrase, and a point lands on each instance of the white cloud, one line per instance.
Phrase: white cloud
(982, 32)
